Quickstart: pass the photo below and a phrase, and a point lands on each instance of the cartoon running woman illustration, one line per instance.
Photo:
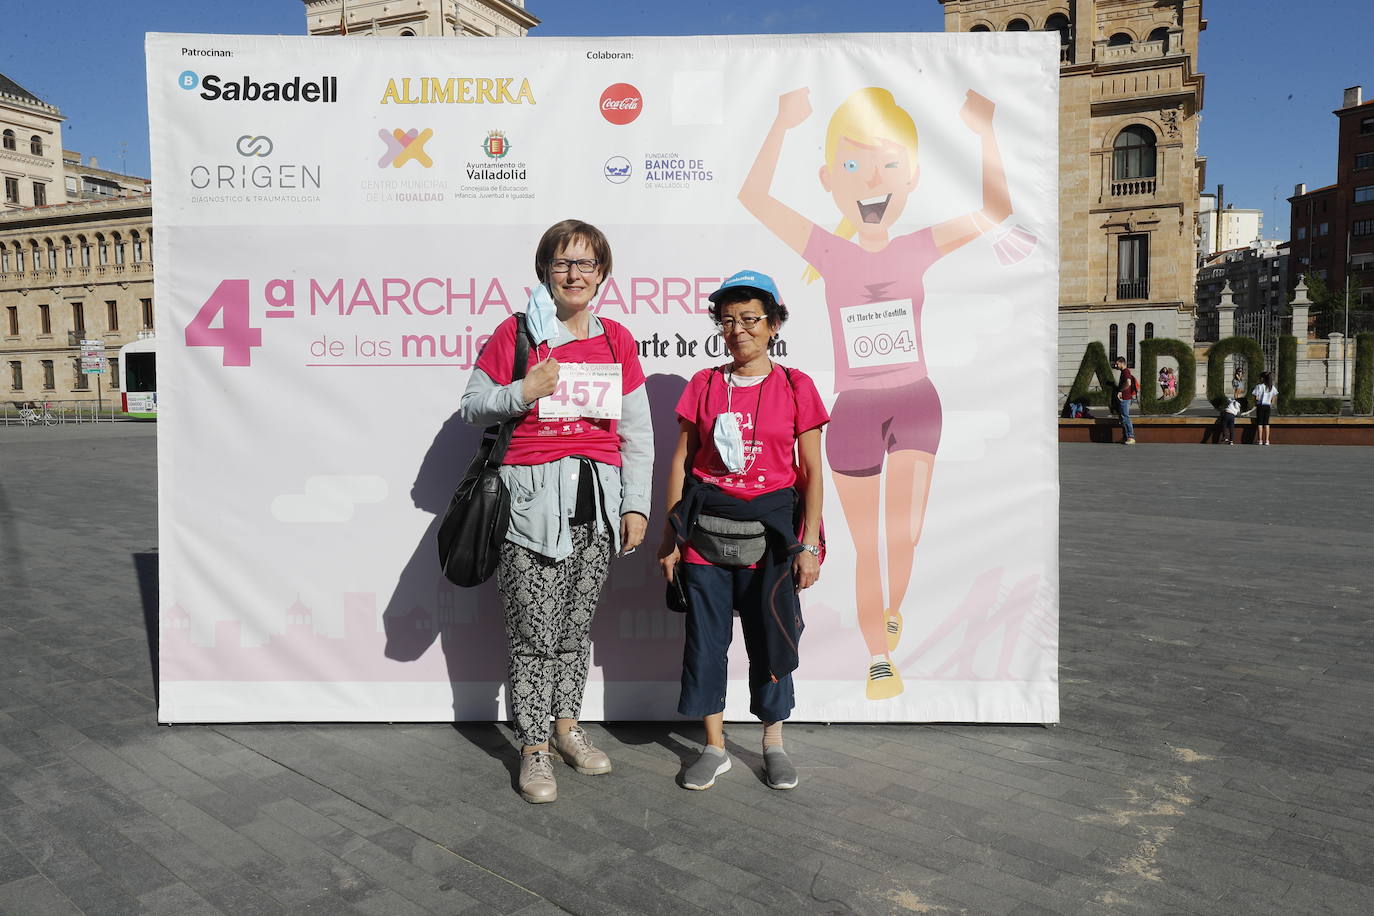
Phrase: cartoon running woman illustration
(886, 417)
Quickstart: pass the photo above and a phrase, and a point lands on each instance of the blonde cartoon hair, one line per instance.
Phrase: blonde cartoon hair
(867, 116)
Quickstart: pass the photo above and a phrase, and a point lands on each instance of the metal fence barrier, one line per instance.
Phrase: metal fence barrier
(56, 412)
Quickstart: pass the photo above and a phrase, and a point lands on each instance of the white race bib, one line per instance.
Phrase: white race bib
(880, 333)
(584, 390)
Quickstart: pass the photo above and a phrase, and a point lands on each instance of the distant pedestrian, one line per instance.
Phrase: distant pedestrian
(1171, 386)
(1266, 396)
(1127, 389)
(1228, 420)
(1238, 379)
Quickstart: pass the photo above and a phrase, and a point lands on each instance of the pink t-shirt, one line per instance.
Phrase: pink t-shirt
(536, 441)
(856, 277)
(772, 414)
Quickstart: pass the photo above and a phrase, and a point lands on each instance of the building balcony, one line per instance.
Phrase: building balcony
(1133, 289)
(1140, 50)
(1133, 187)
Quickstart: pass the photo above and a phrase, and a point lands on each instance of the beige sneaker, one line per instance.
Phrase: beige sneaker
(536, 778)
(884, 682)
(577, 751)
(894, 630)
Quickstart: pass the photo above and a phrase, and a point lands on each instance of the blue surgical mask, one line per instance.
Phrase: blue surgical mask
(541, 315)
(729, 441)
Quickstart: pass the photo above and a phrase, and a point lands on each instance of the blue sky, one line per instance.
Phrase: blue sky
(1275, 70)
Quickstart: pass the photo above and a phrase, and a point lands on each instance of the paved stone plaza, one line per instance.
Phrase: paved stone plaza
(1215, 754)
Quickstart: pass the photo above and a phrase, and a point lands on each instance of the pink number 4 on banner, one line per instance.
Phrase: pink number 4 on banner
(235, 335)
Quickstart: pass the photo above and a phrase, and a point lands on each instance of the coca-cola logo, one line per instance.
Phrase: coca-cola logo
(621, 103)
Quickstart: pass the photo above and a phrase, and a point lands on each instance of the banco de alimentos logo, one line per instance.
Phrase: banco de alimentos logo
(216, 88)
(404, 146)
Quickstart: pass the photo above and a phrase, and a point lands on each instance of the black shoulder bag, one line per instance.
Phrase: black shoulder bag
(475, 524)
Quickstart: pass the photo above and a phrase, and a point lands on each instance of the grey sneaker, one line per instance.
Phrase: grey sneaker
(778, 770)
(577, 751)
(536, 778)
(702, 774)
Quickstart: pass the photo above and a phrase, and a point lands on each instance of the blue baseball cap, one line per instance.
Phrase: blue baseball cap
(751, 280)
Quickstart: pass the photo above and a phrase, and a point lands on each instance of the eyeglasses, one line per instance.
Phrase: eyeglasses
(748, 322)
(583, 265)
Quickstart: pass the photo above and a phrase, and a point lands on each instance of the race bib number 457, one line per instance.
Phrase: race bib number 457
(880, 333)
(584, 390)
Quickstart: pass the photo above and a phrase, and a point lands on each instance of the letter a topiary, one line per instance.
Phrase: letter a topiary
(1363, 399)
(1151, 348)
(1218, 390)
(1289, 402)
(1094, 365)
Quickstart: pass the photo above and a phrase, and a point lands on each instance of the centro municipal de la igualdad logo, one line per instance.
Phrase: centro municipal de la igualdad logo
(404, 146)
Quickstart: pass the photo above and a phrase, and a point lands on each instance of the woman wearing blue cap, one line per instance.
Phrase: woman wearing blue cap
(744, 532)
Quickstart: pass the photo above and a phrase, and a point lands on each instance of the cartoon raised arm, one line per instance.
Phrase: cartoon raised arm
(787, 224)
(977, 114)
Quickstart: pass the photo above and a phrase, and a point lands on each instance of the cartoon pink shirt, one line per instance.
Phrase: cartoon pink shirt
(875, 300)
(772, 414)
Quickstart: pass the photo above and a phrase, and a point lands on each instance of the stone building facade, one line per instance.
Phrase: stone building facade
(413, 18)
(1130, 178)
(69, 272)
(30, 149)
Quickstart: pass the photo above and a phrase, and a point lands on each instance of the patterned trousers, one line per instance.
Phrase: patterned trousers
(549, 606)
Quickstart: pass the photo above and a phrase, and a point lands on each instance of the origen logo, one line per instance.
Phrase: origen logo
(621, 103)
(617, 170)
(248, 145)
(405, 146)
(496, 145)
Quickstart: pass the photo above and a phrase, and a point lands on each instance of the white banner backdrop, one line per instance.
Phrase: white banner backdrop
(339, 222)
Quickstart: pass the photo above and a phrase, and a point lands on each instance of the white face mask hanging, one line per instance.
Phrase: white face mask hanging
(729, 441)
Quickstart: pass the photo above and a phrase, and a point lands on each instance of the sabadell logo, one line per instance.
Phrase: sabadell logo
(215, 88)
(621, 103)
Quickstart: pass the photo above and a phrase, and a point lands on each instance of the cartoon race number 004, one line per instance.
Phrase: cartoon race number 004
(880, 333)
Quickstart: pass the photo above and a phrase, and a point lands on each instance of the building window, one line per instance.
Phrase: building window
(138, 249)
(111, 315)
(85, 253)
(17, 376)
(1149, 330)
(1130, 345)
(52, 257)
(1302, 233)
(44, 320)
(12, 190)
(1133, 153)
(1362, 228)
(14, 320)
(82, 381)
(114, 373)
(1366, 126)
(36, 145)
(1161, 35)
(980, 28)
(78, 318)
(49, 380)
(104, 251)
(1364, 160)
(1058, 22)
(40, 194)
(8, 138)
(1365, 194)
(67, 252)
(1018, 25)
(1120, 39)
(147, 314)
(1112, 351)
(1324, 229)
(4, 260)
(119, 252)
(1133, 267)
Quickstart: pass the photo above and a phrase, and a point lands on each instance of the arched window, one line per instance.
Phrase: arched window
(85, 250)
(103, 248)
(407, 33)
(36, 145)
(138, 248)
(1149, 330)
(1119, 39)
(1161, 35)
(1130, 345)
(67, 251)
(118, 248)
(1058, 22)
(1112, 351)
(1133, 153)
(1018, 25)
(52, 255)
(980, 28)
(8, 139)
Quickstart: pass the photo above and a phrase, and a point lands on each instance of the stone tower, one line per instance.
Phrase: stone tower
(410, 18)
(1129, 108)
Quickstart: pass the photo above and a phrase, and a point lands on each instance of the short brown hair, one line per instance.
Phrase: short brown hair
(560, 234)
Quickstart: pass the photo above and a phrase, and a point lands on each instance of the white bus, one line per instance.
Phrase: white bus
(138, 378)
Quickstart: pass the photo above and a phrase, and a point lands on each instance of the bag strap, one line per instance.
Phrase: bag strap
(496, 439)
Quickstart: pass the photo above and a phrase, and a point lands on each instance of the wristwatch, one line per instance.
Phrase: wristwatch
(813, 549)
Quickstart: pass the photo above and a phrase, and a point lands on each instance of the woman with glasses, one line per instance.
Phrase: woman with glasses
(578, 469)
(744, 531)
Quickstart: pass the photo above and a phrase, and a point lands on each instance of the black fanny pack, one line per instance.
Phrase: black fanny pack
(727, 542)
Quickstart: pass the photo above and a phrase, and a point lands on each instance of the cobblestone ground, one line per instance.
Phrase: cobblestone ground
(1214, 756)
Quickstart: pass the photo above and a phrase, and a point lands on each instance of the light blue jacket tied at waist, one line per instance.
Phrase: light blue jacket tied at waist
(544, 496)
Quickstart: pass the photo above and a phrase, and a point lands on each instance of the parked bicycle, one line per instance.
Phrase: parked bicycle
(31, 413)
